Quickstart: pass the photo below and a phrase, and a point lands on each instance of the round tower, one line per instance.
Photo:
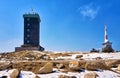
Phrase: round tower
(106, 46)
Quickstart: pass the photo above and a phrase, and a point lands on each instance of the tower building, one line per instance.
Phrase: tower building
(107, 46)
(31, 32)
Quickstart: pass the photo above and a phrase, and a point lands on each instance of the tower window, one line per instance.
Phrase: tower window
(28, 35)
(28, 30)
(28, 19)
(28, 24)
(28, 41)
(25, 38)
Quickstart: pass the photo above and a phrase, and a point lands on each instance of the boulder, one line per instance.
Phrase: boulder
(82, 63)
(13, 73)
(45, 57)
(112, 63)
(74, 66)
(91, 75)
(63, 70)
(98, 58)
(60, 66)
(47, 68)
(78, 56)
(95, 65)
(65, 76)
(118, 68)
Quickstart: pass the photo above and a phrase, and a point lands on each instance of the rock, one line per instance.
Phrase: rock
(95, 65)
(65, 76)
(118, 67)
(60, 66)
(13, 73)
(82, 63)
(37, 76)
(90, 75)
(112, 63)
(74, 66)
(78, 56)
(45, 57)
(98, 58)
(63, 70)
(47, 68)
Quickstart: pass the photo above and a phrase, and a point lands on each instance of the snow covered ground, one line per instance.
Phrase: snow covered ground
(102, 55)
(24, 74)
(91, 56)
(86, 56)
(56, 74)
(101, 74)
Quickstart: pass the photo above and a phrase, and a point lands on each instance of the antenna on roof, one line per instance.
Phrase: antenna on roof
(32, 10)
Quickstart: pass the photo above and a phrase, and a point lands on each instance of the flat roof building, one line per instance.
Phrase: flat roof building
(31, 32)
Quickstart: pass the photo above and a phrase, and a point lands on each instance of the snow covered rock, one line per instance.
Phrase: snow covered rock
(47, 68)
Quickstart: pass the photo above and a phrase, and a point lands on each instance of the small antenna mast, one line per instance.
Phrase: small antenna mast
(32, 10)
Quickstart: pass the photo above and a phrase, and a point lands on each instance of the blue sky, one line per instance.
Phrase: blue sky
(67, 25)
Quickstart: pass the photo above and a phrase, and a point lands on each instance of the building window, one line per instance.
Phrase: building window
(28, 41)
(28, 35)
(25, 38)
(28, 24)
(28, 19)
(28, 30)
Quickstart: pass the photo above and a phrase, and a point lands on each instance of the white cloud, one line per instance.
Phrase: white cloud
(89, 11)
